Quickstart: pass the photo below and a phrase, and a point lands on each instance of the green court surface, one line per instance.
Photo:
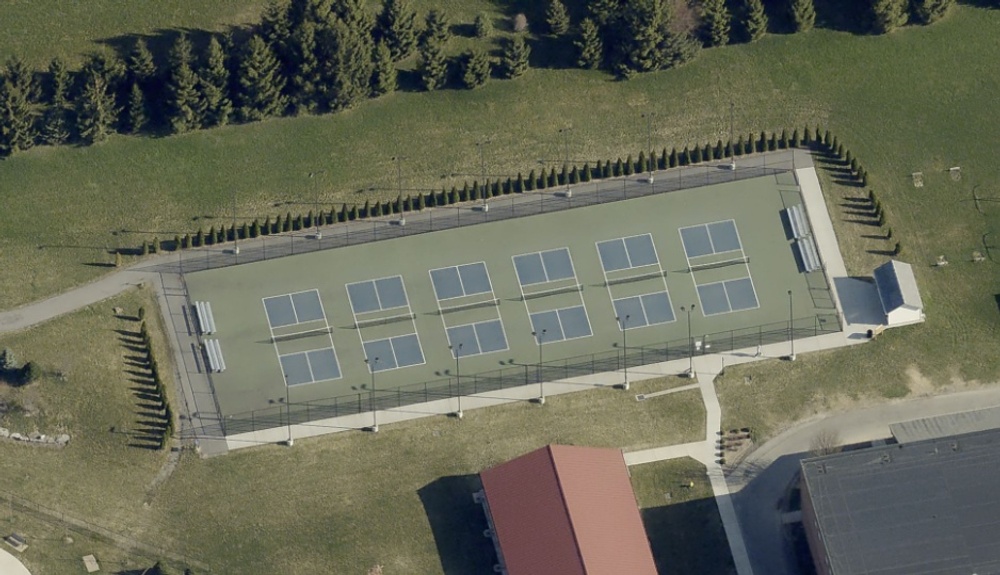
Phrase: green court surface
(758, 268)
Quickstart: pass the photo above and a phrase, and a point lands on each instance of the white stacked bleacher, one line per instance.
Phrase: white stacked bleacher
(206, 322)
(803, 238)
(214, 352)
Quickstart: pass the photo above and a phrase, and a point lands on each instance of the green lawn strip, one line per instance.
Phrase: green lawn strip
(98, 477)
(55, 549)
(352, 500)
(163, 183)
(681, 518)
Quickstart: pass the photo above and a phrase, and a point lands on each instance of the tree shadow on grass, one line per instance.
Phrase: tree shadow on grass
(458, 523)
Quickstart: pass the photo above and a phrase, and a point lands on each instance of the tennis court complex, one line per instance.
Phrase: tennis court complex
(321, 330)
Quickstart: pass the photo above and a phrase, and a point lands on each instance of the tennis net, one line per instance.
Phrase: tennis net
(472, 305)
(363, 323)
(716, 265)
(276, 338)
(555, 291)
(635, 278)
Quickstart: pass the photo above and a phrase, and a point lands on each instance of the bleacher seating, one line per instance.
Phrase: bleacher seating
(810, 257)
(797, 219)
(206, 322)
(213, 350)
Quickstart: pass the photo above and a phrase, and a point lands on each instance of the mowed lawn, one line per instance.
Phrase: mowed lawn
(401, 498)
(918, 99)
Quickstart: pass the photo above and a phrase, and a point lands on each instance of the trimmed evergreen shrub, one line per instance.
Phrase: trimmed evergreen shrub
(728, 151)
(286, 224)
(807, 137)
(585, 172)
(145, 248)
(376, 209)
(244, 231)
(297, 225)
(265, 229)
(463, 195)
(772, 144)
(783, 142)
(352, 214)
(888, 233)
(673, 158)
(619, 168)
(255, 228)
(840, 150)
(897, 250)
(628, 166)
(685, 159)
(881, 219)
(606, 171)
(552, 178)
(827, 141)
(854, 165)
(795, 138)
(696, 155)
(640, 165)
(453, 196)
(408, 204)
(210, 236)
(748, 145)
(718, 150)
(199, 238)
(156, 246)
(574, 175)
(762, 142)
(519, 185)
(186, 241)
(177, 242)
(220, 236)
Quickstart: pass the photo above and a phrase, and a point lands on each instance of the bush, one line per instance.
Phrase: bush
(881, 219)
(795, 138)
(628, 166)
(142, 313)
(772, 144)
(7, 360)
(199, 238)
(484, 26)
(685, 159)
(30, 373)
(783, 142)
(255, 229)
(696, 155)
(673, 158)
(897, 250)
(210, 236)
(888, 233)
(155, 246)
(619, 168)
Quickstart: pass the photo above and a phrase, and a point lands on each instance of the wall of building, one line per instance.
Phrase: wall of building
(820, 559)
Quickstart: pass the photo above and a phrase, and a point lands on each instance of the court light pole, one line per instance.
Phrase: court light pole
(288, 414)
(689, 309)
(791, 323)
(732, 144)
(649, 141)
(565, 132)
(372, 366)
(312, 175)
(457, 351)
(236, 234)
(539, 336)
(482, 167)
(624, 323)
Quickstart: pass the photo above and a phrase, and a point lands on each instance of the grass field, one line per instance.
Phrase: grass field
(253, 379)
(685, 529)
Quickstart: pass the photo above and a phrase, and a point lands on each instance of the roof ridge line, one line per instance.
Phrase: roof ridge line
(565, 505)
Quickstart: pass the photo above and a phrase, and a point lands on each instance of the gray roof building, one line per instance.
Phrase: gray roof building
(898, 292)
(925, 508)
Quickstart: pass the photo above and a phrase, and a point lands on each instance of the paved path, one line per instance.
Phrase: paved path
(761, 481)
(10, 565)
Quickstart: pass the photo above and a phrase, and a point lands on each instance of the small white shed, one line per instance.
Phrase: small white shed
(898, 292)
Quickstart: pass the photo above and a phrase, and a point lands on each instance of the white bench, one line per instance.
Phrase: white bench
(206, 322)
(213, 350)
(810, 257)
(797, 219)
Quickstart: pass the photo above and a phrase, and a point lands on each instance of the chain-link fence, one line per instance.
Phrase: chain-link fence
(517, 375)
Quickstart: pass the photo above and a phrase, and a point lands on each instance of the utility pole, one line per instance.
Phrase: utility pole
(624, 325)
(565, 132)
(482, 167)
(649, 142)
(236, 233)
(732, 144)
(316, 218)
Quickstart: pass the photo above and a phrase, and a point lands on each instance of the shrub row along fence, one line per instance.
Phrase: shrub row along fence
(531, 373)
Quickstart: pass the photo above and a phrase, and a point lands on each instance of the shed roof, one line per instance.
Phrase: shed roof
(897, 287)
(567, 510)
(924, 508)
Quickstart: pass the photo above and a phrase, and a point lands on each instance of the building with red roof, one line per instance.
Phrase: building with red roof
(566, 510)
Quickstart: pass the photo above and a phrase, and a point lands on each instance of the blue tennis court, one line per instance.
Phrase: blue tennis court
(541, 267)
(728, 296)
(561, 324)
(310, 366)
(477, 338)
(460, 281)
(377, 295)
(290, 309)
(643, 310)
(708, 239)
(393, 352)
(626, 253)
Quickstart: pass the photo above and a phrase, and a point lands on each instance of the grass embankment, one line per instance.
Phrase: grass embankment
(402, 498)
(88, 392)
(681, 517)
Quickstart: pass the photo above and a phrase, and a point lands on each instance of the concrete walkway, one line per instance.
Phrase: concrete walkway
(10, 565)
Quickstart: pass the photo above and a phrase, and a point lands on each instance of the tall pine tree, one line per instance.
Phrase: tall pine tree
(214, 105)
(396, 28)
(436, 28)
(384, 77)
(557, 18)
(803, 15)
(754, 20)
(930, 11)
(887, 15)
(135, 110)
(433, 64)
(260, 82)
(96, 111)
(590, 46)
(516, 55)
(19, 107)
(56, 119)
(141, 67)
(182, 88)
(346, 54)
(306, 73)
(477, 68)
(716, 19)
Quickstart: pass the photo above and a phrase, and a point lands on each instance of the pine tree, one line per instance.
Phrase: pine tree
(604, 12)
(716, 19)
(18, 108)
(436, 28)
(346, 56)
(477, 68)
(887, 15)
(516, 55)
(260, 82)
(384, 76)
(643, 31)
(395, 27)
(433, 65)
(589, 45)
(304, 70)
(754, 20)
(483, 25)
(214, 105)
(136, 110)
(803, 15)
(56, 121)
(96, 111)
(141, 67)
(182, 88)
(557, 18)
(930, 11)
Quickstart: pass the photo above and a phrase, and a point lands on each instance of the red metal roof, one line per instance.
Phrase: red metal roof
(566, 510)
